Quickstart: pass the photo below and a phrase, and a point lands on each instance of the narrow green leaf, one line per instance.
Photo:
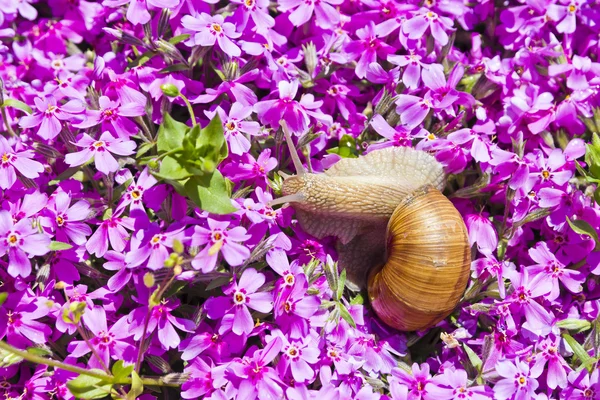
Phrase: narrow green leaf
(583, 228)
(3, 297)
(137, 387)
(341, 284)
(57, 246)
(39, 351)
(345, 314)
(19, 105)
(578, 349)
(179, 38)
(210, 193)
(174, 68)
(473, 358)
(143, 149)
(170, 134)
(574, 324)
(88, 387)
(120, 371)
(218, 282)
(358, 299)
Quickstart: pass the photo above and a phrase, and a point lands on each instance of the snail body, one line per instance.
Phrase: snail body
(398, 235)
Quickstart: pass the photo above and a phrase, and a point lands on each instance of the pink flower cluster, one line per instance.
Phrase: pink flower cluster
(107, 262)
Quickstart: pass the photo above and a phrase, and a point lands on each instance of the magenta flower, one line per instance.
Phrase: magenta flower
(295, 113)
(297, 357)
(20, 241)
(367, 49)
(418, 382)
(583, 385)
(519, 382)
(326, 16)
(101, 151)
(239, 297)
(20, 161)
(217, 239)
(453, 385)
(549, 358)
(443, 94)
(396, 137)
(205, 379)
(416, 27)
(234, 88)
(550, 271)
(134, 194)
(235, 127)
(113, 231)
(50, 115)
(256, 376)
(109, 343)
(113, 117)
(254, 169)
(137, 11)
(293, 307)
(412, 68)
(161, 321)
(412, 110)
(210, 29)
(258, 11)
(66, 219)
(482, 232)
(151, 246)
(18, 323)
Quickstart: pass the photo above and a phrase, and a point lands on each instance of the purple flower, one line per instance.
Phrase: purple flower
(20, 241)
(161, 320)
(416, 26)
(18, 322)
(297, 356)
(65, 219)
(20, 161)
(443, 93)
(583, 385)
(418, 382)
(137, 11)
(412, 110)
(113, 117)
(233, 88)
(102, 151)
(211, 29)
(326, 15)
(108, 343)
(519, 382)
(258, 11)
(50, 115)
(412, 68)
(550, 271)
(556, 365)
(256, 376)
(293, 307)
(235, 126)
(134, 194)
(367, 48)
(295, 113)
(453, 385)
(151, 246)
(217, 239)
(205, 379)
(111, 230)
(239, 297)
(482, 232)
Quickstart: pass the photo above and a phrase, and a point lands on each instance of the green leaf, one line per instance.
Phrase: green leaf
(3, 297)
(171, 169)
(19, 105)
(346, 148)
(88, 387)
(57, 246)
(574, 324)
(345, 314)
(210, 193)
(137, 387)
(358, 299)
(170, 134)
(120, 371)
(144, 148)
(583, 228)
(179, 38)
(341, 284)
(39, 351)
(211, 143)
(473, 358)
(578, 349)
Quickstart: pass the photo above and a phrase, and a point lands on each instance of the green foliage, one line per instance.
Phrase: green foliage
(189, 160)
(346, 148)
(89, 387)
(137, 387)
(17, 104)
(583, 228)
(120, 371)
(57, 246)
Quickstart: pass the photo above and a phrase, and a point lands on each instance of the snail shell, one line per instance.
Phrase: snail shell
(394, 225)
(428, 263)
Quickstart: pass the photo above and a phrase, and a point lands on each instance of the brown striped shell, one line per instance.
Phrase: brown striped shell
(427, 266)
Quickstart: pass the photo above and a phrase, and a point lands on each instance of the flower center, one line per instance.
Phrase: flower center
(289, 279)
(230, 125)
(60, 221)
(293, 352)
(13, 239)
(522, 380)
(217, 28)
(136, 194)
(572, 8)
(239, 297)
(545, 174)
(5, 158)
(99, 144)
(155, 239)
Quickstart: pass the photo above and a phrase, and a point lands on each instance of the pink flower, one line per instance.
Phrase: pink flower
(66, 219)
(211, 29)
(102, 151)
(416, 27)
(482, 232)
(114, 117)
(550, 271)
(21, 161)
(217, 239)
(20, 241)
(235, 126)
(137, 12)
(111, 230)
(134, 194)
(519, 382)
(50, 116)
(239, 297)
(326, 16)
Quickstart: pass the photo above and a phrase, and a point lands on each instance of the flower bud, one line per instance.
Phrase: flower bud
(177, 246)
(149, 279)
(169, 89)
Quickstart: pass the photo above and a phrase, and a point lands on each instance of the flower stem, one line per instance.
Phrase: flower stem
(9, 128)
(82, 371)
(190, 109)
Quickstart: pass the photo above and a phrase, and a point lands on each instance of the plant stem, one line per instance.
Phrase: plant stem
(9, 128)
(82, 371)
(190, 109)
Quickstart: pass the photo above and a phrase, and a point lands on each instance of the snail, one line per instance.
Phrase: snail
(397, 234)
